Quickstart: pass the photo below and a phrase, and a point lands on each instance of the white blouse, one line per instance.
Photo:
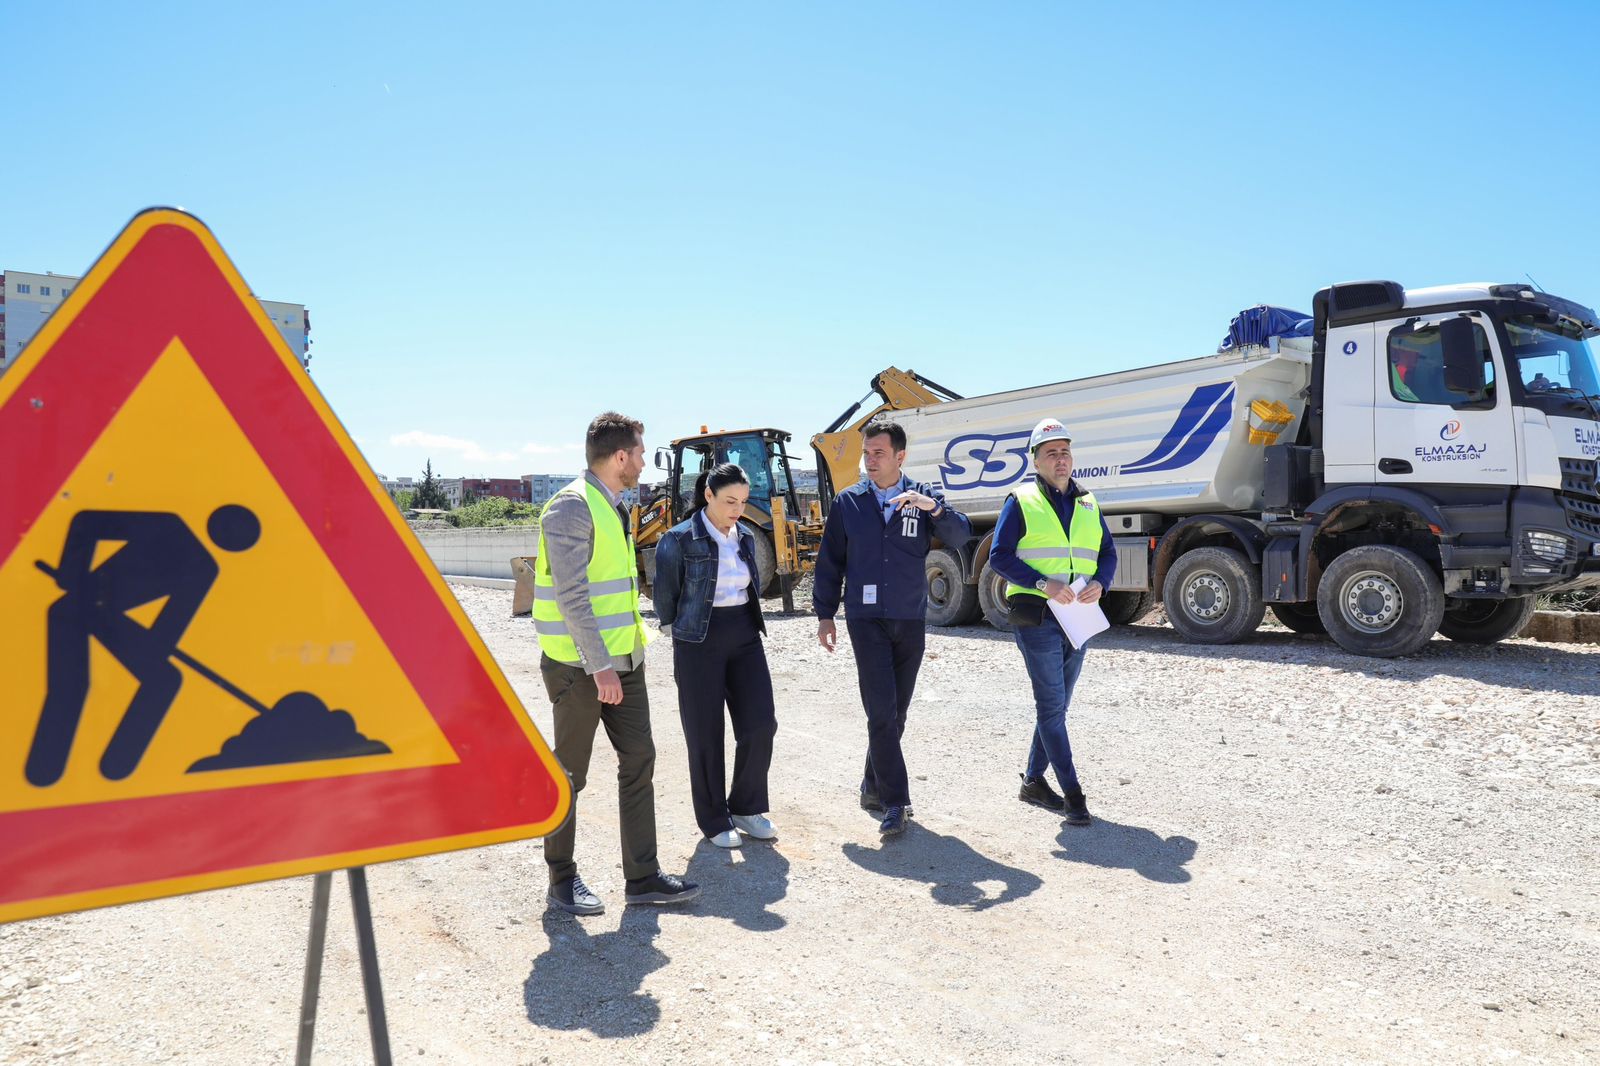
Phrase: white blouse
(733, 575)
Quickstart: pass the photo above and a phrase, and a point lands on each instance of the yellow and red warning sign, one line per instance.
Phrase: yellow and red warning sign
(226, 658)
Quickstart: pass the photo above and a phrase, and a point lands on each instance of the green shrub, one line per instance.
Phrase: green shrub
(494, 511)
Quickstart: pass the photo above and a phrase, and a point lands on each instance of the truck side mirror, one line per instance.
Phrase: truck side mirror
(1463, 363)
(663, 459)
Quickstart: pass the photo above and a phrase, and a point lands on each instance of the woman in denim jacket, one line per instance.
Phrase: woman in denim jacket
(705, 589)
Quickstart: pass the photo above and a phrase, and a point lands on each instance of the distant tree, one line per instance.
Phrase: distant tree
(429, 494)
(405, 499)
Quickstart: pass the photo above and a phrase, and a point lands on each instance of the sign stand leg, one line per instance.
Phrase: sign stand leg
(371, 985)
(321, 885)
(367, 945)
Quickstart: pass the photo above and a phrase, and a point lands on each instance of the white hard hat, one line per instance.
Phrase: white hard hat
(1049, 429)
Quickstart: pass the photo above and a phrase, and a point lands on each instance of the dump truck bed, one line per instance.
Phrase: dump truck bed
(1169, 439)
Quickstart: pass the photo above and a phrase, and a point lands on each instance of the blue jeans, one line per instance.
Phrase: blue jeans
(1053, 666)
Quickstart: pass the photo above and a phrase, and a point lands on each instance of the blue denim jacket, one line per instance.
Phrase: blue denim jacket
(686, 579)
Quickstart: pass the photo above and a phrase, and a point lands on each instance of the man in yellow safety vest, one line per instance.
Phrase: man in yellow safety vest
(586, 615)
(1051, 543)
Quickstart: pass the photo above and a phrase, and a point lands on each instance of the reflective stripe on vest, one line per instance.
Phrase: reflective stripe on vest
(613, 595)
(1045, 546)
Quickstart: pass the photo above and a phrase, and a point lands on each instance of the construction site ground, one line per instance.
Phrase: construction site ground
(1298, 855)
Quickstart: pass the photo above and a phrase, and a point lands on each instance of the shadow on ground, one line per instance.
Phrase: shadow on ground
(1561, 671)
(1128, 847)
(740, 884)
(593, 982)
(955, 872)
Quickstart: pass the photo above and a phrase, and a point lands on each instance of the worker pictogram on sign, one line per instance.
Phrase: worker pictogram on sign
(227, 659)
(157, 559)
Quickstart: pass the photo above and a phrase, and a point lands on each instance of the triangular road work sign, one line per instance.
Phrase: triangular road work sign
(225, 658)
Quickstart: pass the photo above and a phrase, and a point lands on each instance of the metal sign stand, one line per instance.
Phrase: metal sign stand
(367, 944)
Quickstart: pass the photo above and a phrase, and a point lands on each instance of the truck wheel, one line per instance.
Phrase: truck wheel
(1213, 596)
(1299, 617)
(951, 601)
(1380, 600)
(1488, 621)
(766, 561)
(992, 599)
(1126, 608)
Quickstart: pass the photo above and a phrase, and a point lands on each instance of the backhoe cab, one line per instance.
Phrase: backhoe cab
(772, 515)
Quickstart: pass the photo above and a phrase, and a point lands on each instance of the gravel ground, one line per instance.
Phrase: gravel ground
(1299, 856)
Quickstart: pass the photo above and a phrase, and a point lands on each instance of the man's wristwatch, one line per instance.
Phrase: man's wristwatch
(1041, 583)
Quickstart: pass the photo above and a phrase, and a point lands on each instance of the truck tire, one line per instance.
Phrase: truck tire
(766, 561)
(1380, 600)
(1299, 617)
(1213, 596)
(1126, 608)
(1488, 621)
(992, 599)
(951, 601)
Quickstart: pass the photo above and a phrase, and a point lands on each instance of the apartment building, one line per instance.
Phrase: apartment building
(27, 300)
(538, 488)
(479, 488)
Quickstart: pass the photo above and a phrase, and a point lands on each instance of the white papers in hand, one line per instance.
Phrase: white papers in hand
(1080, 621)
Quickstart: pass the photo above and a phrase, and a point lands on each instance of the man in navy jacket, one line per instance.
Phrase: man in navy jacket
(877, 535)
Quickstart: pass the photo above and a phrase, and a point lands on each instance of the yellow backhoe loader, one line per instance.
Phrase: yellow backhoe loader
(783, 553)
(786, 536)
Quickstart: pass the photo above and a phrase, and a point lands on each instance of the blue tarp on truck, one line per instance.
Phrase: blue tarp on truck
(1256, 325)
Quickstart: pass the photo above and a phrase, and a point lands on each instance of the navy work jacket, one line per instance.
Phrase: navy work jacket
(859, 549)
(686, 579)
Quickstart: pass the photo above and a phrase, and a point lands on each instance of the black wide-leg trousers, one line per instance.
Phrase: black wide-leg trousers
(728, 668)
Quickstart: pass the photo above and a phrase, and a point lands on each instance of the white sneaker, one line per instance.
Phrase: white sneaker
(755, 825)
(727, 839)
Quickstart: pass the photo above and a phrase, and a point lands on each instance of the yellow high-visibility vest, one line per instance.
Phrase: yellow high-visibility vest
(1045, 546)
(613, 585)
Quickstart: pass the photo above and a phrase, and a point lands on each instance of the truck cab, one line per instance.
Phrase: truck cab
(1445, 472)
(771, 514)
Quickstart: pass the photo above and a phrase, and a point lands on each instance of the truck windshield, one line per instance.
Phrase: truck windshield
(1553, 358)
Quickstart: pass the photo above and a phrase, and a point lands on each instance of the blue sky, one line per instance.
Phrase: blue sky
(505, 218)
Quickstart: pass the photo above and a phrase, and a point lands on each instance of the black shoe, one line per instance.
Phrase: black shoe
(894, 821)
(871, 802)
(1037, 791)
(575, 897)
(1077, 808)
(661, 888)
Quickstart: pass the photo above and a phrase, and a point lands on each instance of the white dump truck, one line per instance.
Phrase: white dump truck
(1417, 461)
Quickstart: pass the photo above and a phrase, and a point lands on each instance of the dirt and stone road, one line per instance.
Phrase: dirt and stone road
(1299, 856)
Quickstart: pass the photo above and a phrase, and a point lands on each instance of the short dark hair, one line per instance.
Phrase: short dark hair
(610, 433)
(879, 426)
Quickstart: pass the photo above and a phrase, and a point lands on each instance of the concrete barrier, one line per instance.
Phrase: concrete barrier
(483, 553)
(1564, 627)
